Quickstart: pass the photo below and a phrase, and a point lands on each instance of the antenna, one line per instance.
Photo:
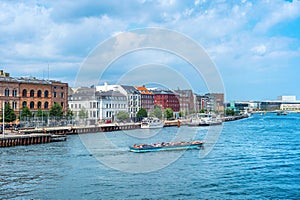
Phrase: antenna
(48, 71)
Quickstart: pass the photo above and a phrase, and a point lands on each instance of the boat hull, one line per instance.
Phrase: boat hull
(165, 148)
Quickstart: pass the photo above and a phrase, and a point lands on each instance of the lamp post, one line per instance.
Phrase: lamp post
(3, 110)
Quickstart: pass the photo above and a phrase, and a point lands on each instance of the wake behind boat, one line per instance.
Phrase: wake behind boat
(151, 122)
(142, 148)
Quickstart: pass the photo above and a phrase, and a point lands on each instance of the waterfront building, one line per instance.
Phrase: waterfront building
(282, 103)
(186, 100)
(219, 101)
(133, 96)
(84, 105)
(110, 104)
(133, 100)
(147, 98)
(206, 102)
(166, 99)
(32, 92)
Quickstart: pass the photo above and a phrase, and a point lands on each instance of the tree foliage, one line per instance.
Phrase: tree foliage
(229, 112)
(9, 113)
(83, 113)
(157, 112)
(122, 115)
(69, 113)
(168, 113)
(142, 113)
(56, 110)
(26, 112)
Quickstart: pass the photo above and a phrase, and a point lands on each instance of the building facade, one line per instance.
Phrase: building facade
(166, 99)
(147, 98)
(186, 100)
(32, 93)
(133, 100)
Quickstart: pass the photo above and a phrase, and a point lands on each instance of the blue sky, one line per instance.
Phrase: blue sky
(255, 45)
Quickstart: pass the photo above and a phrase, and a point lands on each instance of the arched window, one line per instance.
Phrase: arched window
(46, 105)
(46, 94)
(24, 93)
(24, 104)
(39, 93)
(31, 105)
(15, 92)
(14, 105)
(39, 105)
(6, 92)
(31, 93)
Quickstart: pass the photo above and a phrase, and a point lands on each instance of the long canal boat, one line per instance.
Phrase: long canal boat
(142, 148)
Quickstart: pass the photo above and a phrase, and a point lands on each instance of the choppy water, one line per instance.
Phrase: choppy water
(255, 158)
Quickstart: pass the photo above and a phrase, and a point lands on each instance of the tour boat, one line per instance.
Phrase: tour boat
(151, 122)
(142, 148)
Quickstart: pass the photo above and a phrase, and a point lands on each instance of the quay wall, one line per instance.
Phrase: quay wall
(16, 140)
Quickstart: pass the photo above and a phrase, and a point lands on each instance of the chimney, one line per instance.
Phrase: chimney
(1, 73)
(6, 74)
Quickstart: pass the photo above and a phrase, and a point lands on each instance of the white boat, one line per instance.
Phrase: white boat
(151, 122)
(203, 119)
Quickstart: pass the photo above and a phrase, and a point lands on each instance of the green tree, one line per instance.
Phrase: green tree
(157, 112)
(82, 113)
(122, 115)
(229, 112)
(142, 113)
(9, 114)
(56, 110)
(202, 111)
(180, 114)
(168, 113)
(26, 112)
(69, 113)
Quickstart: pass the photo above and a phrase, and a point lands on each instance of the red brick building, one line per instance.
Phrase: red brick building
(33, 93)
(166, 99)
(147, 98)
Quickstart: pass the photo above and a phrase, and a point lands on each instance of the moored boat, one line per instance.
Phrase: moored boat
(142, 148)
(151, 122)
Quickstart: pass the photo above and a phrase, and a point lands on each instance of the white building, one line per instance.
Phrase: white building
(111, 103)
(84, 105)
(133, 96)
(286, 98)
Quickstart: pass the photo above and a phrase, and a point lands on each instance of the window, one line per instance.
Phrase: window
(62, 104)
(46, 105)
(31, 105)
(31, 93)
(15, 92)
(39, 93)
(24, 104)
(46, 94)
(6, 92)
(54, 94)
(61, 95)
(39, 105)
(14, 105)
(24, 93)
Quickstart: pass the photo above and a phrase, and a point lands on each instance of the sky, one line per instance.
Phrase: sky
(254, 45)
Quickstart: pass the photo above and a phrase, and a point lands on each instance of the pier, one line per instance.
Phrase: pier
(16, 140)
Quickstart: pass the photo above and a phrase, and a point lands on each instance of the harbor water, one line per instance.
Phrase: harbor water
(254, 158)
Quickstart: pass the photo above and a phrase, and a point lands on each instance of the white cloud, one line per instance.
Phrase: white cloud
(259, 49)
(279, 12)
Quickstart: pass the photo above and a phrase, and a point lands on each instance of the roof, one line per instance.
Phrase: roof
(143, 90)
(130, 89)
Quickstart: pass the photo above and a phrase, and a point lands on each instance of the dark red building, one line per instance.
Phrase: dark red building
(166, 99)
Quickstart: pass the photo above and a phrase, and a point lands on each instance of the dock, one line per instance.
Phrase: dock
(17, 140)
